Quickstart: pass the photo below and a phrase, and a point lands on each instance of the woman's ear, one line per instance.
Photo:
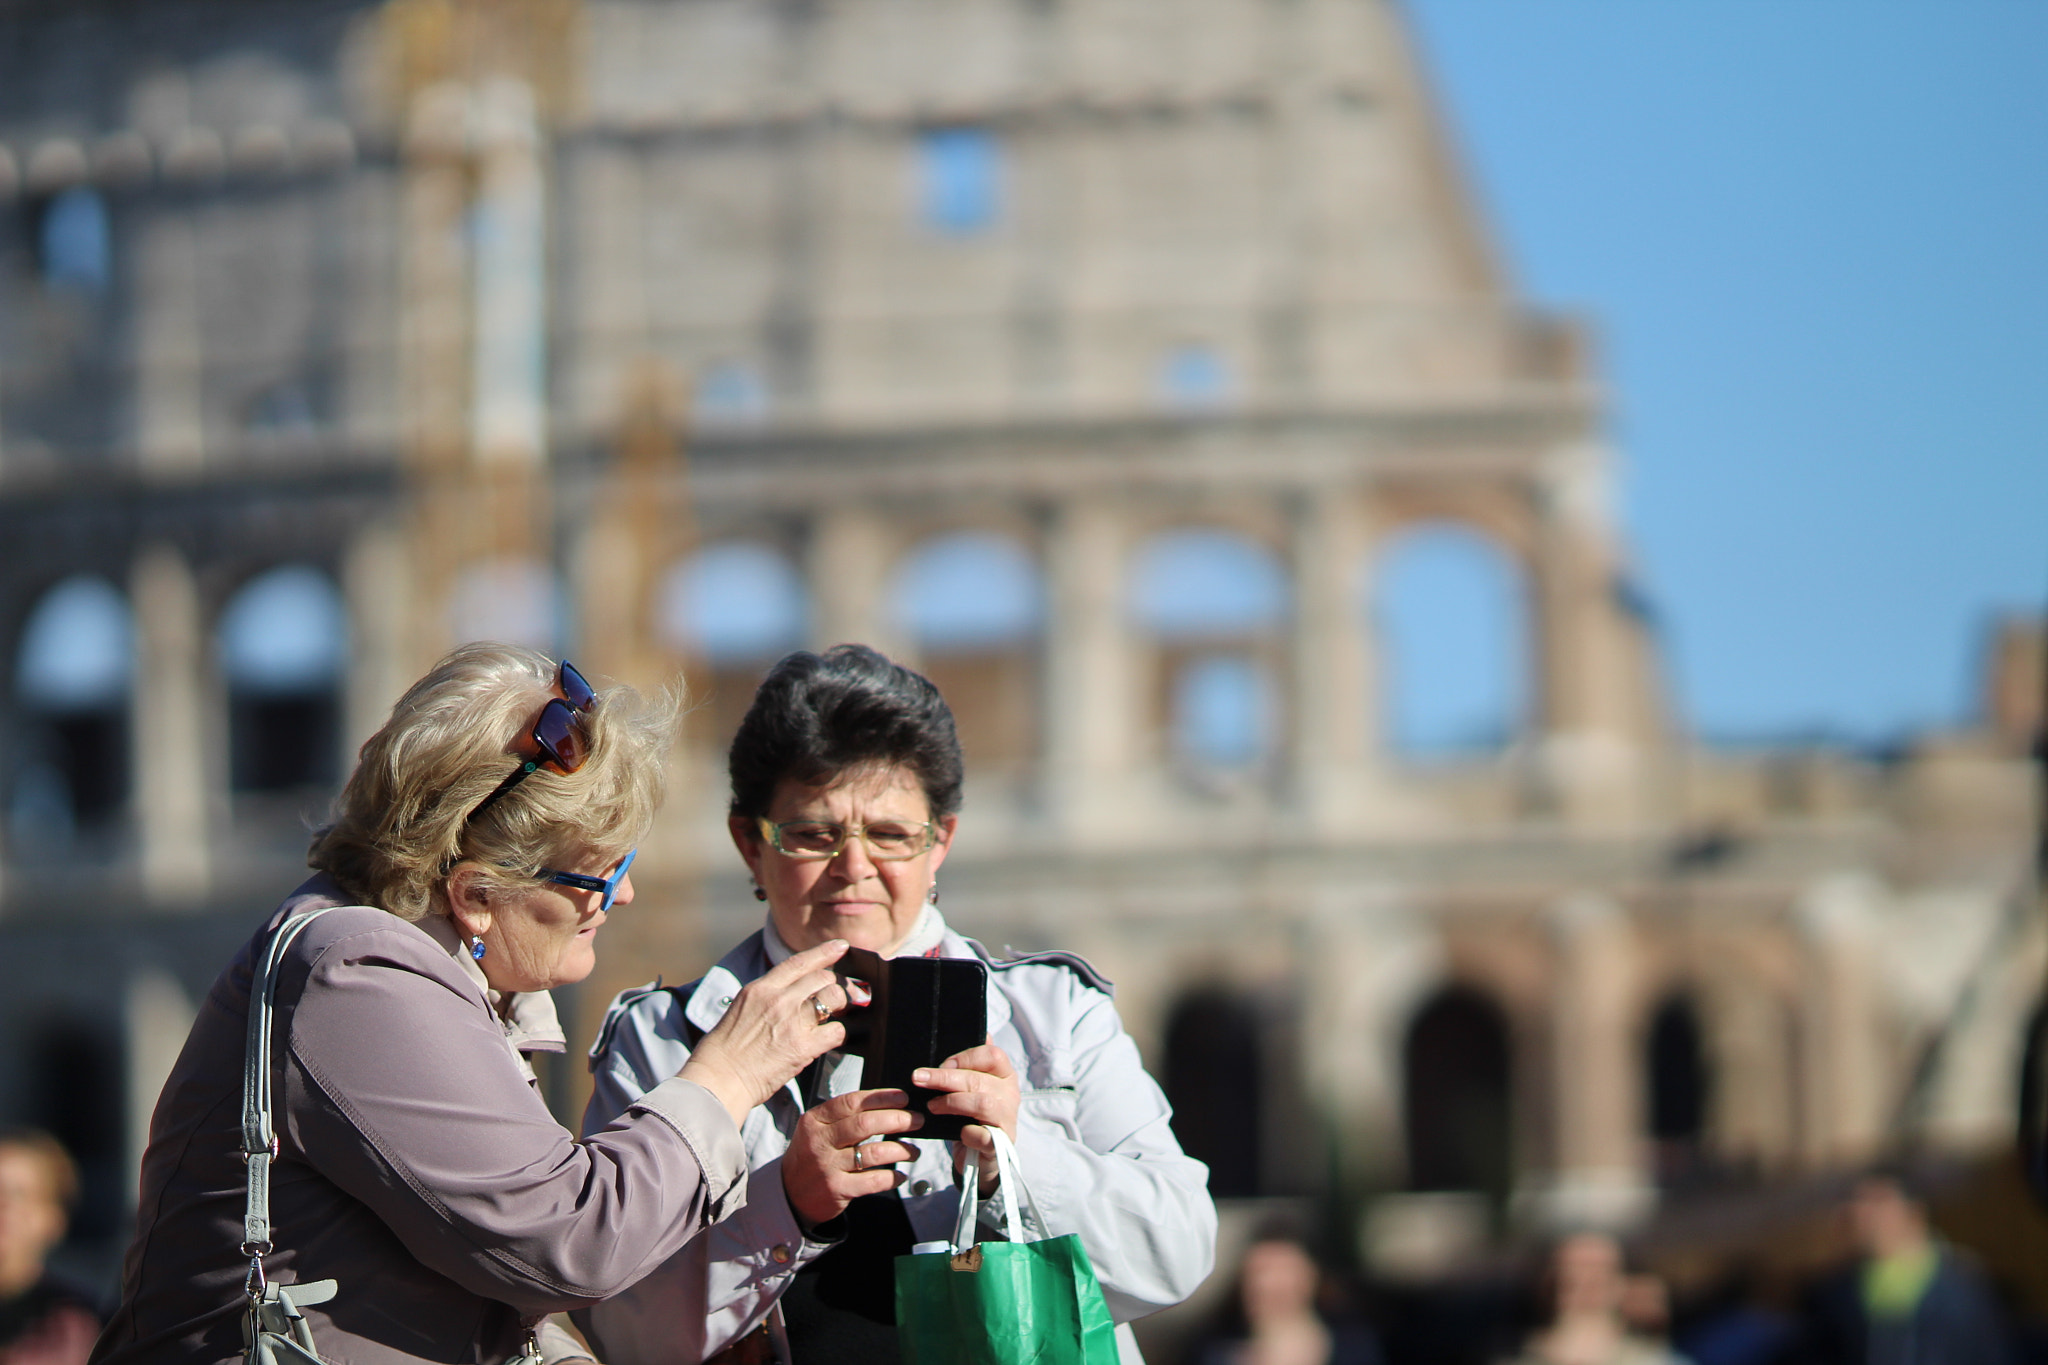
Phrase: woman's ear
(947, 825)
(469, 900)
(746, 837)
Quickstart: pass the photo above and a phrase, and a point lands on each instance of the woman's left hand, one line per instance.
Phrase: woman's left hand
(981, 1087)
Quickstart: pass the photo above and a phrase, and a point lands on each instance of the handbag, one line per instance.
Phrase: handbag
(1002, 1303)
(274, 1331)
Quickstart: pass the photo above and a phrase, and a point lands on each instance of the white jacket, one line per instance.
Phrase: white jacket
(1093, 1142)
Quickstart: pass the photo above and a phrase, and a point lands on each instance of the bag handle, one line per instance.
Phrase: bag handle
(1009, 1180)
(259, 1139)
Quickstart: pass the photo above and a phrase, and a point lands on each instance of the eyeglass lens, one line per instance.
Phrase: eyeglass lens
(578, 692)
(559, 737)
(887, 841)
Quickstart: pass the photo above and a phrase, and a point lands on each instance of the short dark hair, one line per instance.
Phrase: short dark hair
(818, 715)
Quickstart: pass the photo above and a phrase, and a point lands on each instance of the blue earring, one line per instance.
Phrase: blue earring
(476, 950)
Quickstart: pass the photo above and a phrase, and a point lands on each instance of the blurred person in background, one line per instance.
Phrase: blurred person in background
(1276, 1316)
(43, 1320)
(1907, 1299)
(1735, 1323)
(481, 843)
(1585, 1288)
(846, 779)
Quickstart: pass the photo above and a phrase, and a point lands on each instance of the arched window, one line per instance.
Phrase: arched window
(515, 600)
(1679, 1088)
(1223, 711)
(973, 602)
(1452, 630)
(1457, 1095)
(2033, 1100)
(282, 641)
(71, 681)
(969, 591)
(1215, 1080)
(730, 393)
(1195, 378)
(75, 241)
(288, 407)
(960, 180)
(89, 1120)
(734, 603)
(1214, 602)
(737, 606)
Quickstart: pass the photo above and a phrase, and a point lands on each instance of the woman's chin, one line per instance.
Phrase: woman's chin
(576, 964)
(873, 930)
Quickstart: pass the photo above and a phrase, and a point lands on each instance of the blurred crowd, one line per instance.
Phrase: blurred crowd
(1903, 1296)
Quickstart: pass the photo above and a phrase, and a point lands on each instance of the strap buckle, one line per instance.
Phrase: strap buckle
(256, 1283)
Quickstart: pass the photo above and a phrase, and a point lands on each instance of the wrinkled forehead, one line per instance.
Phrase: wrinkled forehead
(865, 791)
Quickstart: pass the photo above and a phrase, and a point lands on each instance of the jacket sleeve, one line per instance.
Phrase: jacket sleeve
(402, 1091)
(720, 1286)
(1096, 1151)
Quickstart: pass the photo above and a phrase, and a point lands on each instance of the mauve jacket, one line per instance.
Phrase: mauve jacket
(416, 1163)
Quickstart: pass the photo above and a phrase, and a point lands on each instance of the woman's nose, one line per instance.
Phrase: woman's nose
(852, 861)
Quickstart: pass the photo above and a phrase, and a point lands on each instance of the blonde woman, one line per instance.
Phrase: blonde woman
(481, 844)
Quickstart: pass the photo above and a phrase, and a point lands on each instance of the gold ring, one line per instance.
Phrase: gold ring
(824, 1015)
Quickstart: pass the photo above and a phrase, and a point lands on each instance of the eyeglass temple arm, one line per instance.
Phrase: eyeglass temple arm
(513, 779)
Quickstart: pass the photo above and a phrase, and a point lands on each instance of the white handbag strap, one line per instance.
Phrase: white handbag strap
(1009, 1180)
(259, 1140)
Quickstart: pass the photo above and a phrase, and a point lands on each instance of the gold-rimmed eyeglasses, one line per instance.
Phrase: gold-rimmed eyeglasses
(888, 841)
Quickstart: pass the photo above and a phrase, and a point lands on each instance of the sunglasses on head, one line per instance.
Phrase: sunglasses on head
(557, 736)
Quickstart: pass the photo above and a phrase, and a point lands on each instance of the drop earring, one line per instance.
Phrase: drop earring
(759, 894)
(476, 950)
(931, 897)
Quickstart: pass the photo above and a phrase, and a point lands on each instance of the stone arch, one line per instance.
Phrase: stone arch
(89, 1119)
(731, 609)
(1215, 1078)
(73, 665)
(1450, 611)
(1678, 1087)
(2032, 1097)
(1458, 1093)
(282, 645)
(1213, 604)
(971, 603)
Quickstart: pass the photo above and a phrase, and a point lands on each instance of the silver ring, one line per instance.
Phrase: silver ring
(824, 1015)
(860, 1158)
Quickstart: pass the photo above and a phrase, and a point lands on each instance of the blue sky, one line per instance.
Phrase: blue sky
(1813, 238)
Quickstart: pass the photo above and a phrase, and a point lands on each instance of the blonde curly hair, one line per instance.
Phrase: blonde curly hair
(405, 817)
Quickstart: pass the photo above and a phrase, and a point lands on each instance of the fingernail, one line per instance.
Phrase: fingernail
(921, 1077)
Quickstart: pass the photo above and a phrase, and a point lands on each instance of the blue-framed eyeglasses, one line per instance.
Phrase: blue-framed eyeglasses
(608, 885)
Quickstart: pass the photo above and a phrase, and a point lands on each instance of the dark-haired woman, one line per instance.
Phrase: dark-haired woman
(845, 797)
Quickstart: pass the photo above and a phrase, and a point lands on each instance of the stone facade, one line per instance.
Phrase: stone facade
(469, 308)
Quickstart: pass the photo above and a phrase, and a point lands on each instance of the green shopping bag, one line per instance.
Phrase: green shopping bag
(1002, 1303)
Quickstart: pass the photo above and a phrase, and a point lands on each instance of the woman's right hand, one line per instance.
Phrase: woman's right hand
(827, 1166)
(771, 1031)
